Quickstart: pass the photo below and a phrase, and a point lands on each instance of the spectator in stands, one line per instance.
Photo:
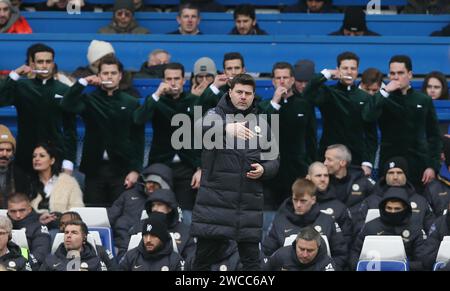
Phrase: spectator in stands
(12, 177)
(437, 192)
(113, 147)
(22, 215)
(164, 201)
(188, 19)
(444, 32)
(326, 198)
(299, 211)
(53, 192)
(435, 85)
(245, 21)
(67, 217)
(229, 204)
(439, 229)
(154, 66)
(308, 252)
(139, 6)
(10, 19)
(311, 6)
(96, 51)
(76, 253)
(64, 6)
(10, 253)
(396, 175)
(203, 75)
(341, 105)
(126, 211)
(38, 105)
(408, 131)
(297, 131)
(233, 65)
(155, 251)
(123, 20)
(427, 7)
(205, 5)
(354, 23)
(395, 219)
(371, 81)
(351, 184)
(159, 108)
(18, 4)
(304, 70)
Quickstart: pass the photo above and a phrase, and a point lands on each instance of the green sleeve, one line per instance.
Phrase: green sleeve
(311, 136)
(265, 107)
(208, 98)
(145, 112)
(8, 89)
(74, 99)
(370, 142)
(315, 91)
(373, 107)
(433, 138)
(138, 141)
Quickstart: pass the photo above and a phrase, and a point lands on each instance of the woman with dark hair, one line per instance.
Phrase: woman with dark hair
(435, 85)
(53, 192)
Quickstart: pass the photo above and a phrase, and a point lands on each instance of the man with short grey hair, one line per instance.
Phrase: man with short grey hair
(307, 253)
(349, 181)
(10, 253)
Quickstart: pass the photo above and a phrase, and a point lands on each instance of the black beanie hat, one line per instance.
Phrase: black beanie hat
(396, 162)
(156, 225)
(355, 19)
(123, 4)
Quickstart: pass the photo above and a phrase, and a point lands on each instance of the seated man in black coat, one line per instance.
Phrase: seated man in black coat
(307, 253)
(10, 253)
(155, 251)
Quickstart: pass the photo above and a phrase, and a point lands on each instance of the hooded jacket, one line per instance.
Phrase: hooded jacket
(285, 259)
(126, 211)
(132, 28)
(229, 205)
(411, 232)
(164, 259)
(13, 260)
(286, 224)
(439, 229)
(437, 193)
(16, 23)
(422, 213)
(38, 238)
(89, 260)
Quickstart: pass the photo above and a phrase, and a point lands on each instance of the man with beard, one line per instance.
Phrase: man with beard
(22, 215)
(299, 211)
(245, 21)
(12, 177)
(10, 19)
(123, 20)
(155, 251)
(395, 219)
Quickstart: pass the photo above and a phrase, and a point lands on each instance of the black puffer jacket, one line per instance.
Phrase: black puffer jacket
(286, 223)
(38, 238)
(126, 211)
(410, 230)
(285, 259)
(89, 261)
(179, 231)
(421, 210)
(14, 261)
(229, 205)
(437, 192)
(439, 229)
(165, 259)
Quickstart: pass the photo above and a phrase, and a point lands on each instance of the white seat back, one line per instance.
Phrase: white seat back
(19, 237)
(144, 215)
(383, 248)
(135, 240)
(59, 239)
(93, 216)
(372, 214)
(444, 250)
(3, 212)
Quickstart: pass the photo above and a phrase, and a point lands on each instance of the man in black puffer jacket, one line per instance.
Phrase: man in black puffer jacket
(229, 203)
(395, 219)
(307, 253)
(164, 201)
(155, 251)
(126, 211)
(75, 254)
(299, 211)
(10, 253)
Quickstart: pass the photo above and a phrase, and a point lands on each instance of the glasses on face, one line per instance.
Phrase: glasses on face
(125, 13)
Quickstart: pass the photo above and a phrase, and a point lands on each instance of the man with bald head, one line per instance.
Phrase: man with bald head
(326, 198)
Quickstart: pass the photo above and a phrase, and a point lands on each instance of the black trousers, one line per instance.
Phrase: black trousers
(182, 176)
(104, 188)
(211, 251)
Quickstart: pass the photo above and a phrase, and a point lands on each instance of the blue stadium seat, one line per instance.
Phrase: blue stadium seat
(382, 266)
(105, 236)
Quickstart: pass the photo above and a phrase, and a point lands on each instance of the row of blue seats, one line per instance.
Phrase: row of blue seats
(260, 52)
(257, 3)
(222, 23)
